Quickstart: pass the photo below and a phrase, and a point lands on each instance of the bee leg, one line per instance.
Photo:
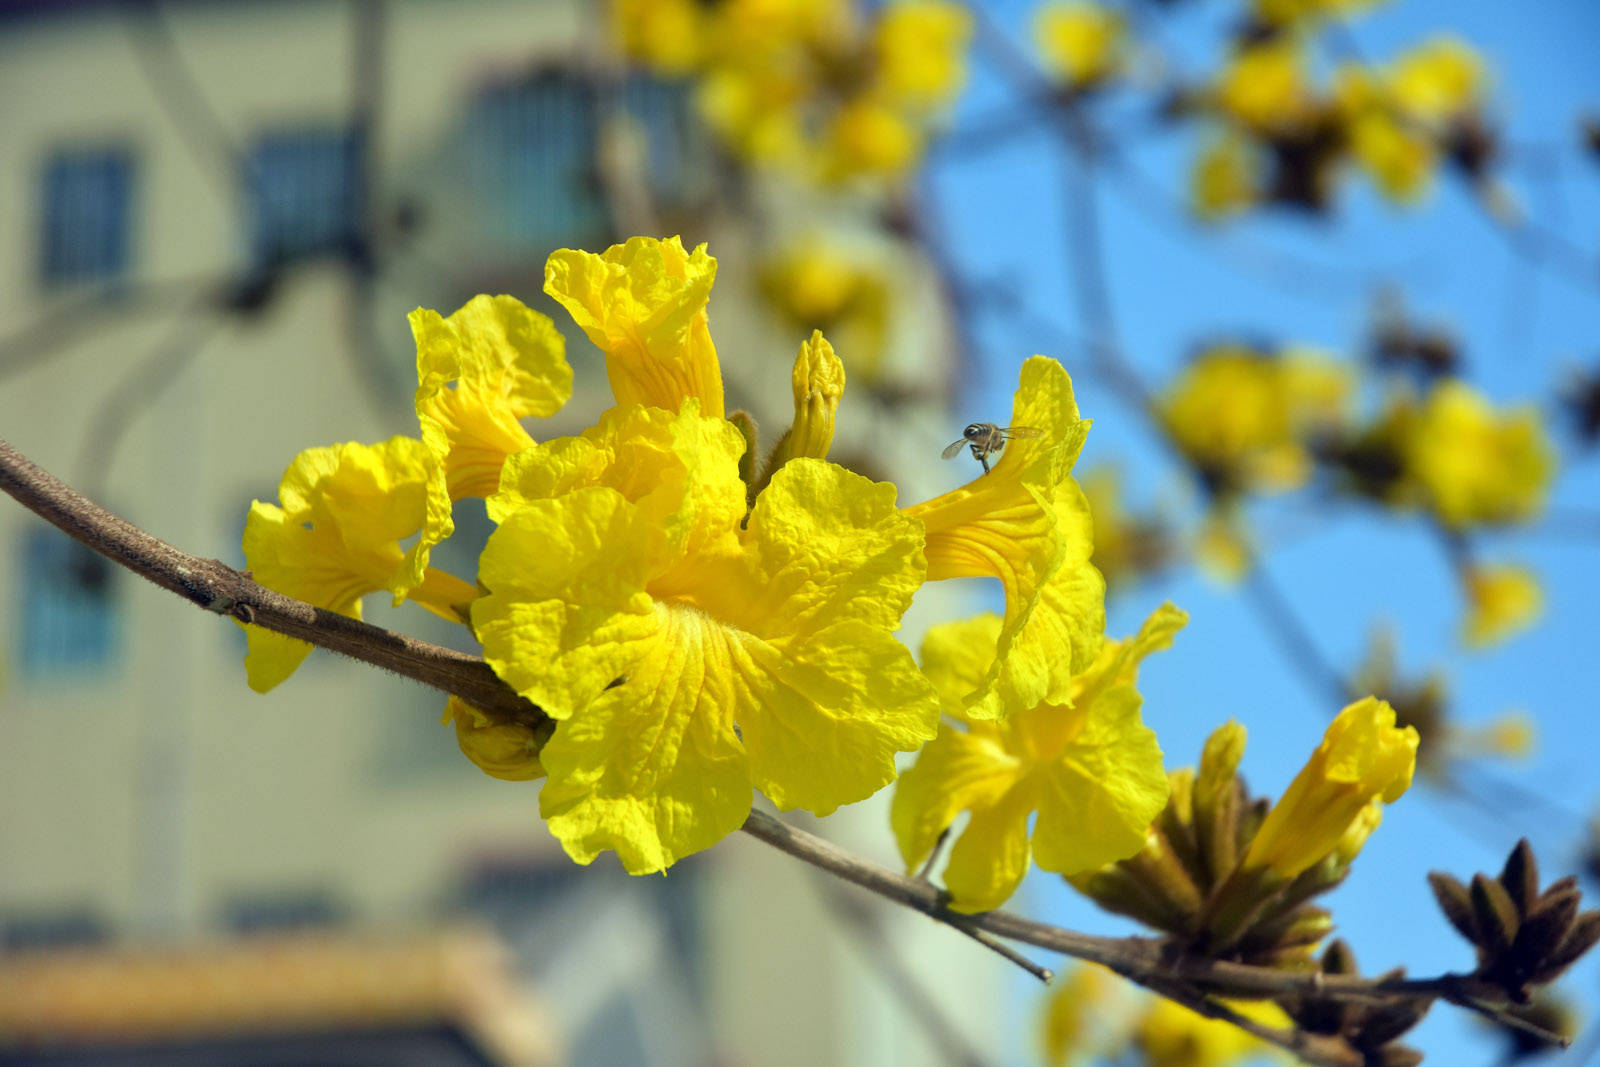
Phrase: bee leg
(984, 459)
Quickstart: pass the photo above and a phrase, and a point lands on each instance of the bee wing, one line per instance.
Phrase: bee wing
(954, 449)
(1021, 433)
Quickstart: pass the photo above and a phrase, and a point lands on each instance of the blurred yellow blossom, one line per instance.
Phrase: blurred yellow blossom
(1126, 547)
(1286, 12)
(1088, 766)
(1244, 418)
(1266, 86)
(1026, 523)
(1363, 757)
(1501, 601)
(1223, 180)
(1171, 1035)
(812, 86)
(336, 538)
(1086, 1014)
(1438, 81)
(1080, 43)
(667, 35)
(922, 51)
(814, 285)
(1472, 465)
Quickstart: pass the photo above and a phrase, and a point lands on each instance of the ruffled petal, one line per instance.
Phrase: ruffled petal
(956, 771)
(643, 303)
(828, 712)
(1098, 798)
(566, 614)
(990, 858)
(822, 544)
(652, 767)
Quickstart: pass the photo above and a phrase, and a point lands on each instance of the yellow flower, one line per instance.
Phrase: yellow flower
(868, 137)
(336, 538)
(489, 365)
(667, 35)
(687, 657)
(1285, 12)
(1502, 601)
(1472, 465)
(643, 303)
(1396, 152)
(1511, 736)
(1242, 417)
(1438, 81)
(1080, 43)
(1088, 766)
(1084, 1016)
(1265, 87)
(502, 748)
(1027, 524)
(1223, 181)
(1171, 1035)
(922, 51)
(816, 286)
(1126, 547)
(1363, 757)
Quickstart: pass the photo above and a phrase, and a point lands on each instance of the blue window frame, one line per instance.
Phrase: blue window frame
(304, 193)
(87, 215)
(69, 608)
(531, 143)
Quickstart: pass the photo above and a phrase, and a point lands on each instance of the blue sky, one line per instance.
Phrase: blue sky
(1522, 329)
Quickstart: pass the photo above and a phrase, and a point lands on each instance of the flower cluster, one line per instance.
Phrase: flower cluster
(1450, 454)
(1248, 421)
(1278, 136)
(809, 86)
(1227, 875)
(688, 624)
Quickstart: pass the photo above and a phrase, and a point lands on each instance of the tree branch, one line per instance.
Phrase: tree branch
(218, 588)
(1149, 962)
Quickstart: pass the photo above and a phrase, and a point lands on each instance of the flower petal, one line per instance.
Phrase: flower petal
(822, 544)
(643, 303)
(990, 858)
(1098, 798)
(566, 613)
(652, 767)
(828, 712)
(955, 771)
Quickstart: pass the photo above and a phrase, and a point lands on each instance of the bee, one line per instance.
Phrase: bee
(986, 439)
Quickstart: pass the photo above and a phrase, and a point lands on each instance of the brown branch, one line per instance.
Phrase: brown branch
(218, 588)
(1148, 962)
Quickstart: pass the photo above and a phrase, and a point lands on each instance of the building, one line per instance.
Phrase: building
(213, 220)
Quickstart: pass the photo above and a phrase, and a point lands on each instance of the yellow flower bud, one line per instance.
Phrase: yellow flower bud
(501, 748)
(818, 386)
(1363, 757)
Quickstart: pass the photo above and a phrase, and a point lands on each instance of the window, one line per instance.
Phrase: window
(304, 194)
(86, 215)
(532, 147)
(69, 610)
(673, 136)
